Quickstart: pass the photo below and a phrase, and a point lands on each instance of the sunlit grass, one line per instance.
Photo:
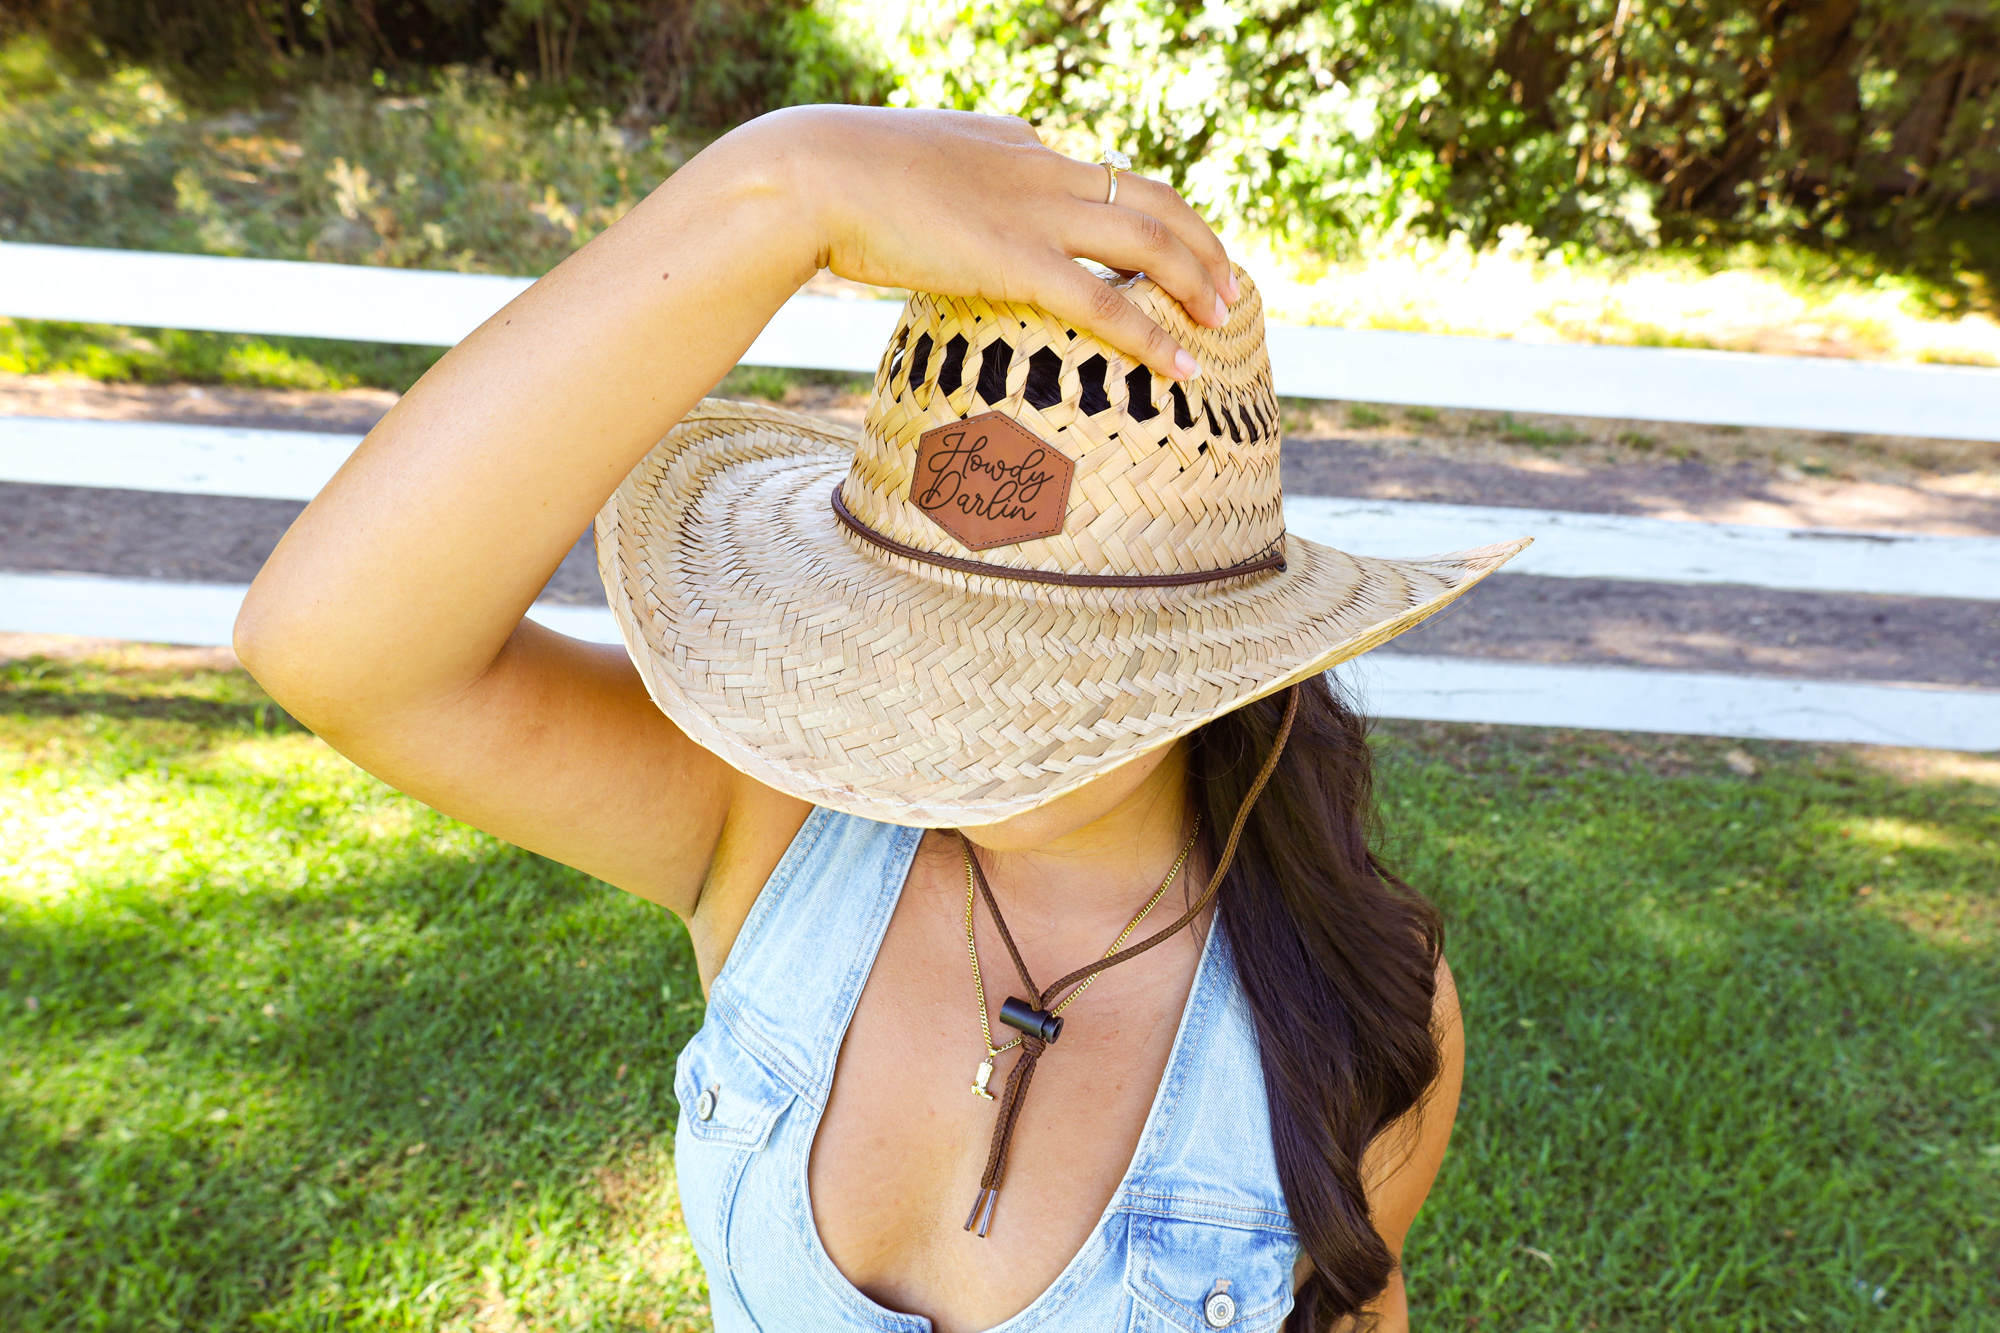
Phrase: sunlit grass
(283, 1047)
(1752, 299)
(167, 356)
(283, 1050)
(1732, 1039)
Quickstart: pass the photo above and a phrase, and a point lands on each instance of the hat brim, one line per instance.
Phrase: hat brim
(888, 688)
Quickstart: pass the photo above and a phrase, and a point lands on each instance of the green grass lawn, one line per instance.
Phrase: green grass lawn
(280, 1049)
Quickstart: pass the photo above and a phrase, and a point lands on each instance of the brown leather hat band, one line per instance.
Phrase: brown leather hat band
(1274, 560)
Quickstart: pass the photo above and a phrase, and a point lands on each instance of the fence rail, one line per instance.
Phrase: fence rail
(335, 301)
(1437, 689)
(293, 465)
(825, 333)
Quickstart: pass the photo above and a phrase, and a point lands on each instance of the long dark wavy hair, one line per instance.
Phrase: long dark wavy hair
(1339, 961)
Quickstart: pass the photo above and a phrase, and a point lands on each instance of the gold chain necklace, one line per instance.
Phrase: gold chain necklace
(979, 983)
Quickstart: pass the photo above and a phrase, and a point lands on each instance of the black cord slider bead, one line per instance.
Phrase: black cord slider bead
(1037, 1023)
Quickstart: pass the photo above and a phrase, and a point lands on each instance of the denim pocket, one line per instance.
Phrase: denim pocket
(730, 1103)
(1176, 1269)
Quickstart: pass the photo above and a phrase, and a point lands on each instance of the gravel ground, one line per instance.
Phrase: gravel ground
(1697, 489)
(1731, 476)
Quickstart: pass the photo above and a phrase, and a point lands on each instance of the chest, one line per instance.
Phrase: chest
(903, 1143)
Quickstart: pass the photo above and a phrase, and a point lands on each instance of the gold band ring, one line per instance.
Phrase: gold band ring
(1114, 162)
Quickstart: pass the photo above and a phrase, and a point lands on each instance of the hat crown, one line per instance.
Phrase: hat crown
(1168, 477)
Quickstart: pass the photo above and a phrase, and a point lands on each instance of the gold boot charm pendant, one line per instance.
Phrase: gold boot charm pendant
(979, 1083)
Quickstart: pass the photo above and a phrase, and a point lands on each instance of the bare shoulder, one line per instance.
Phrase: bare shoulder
(1402, 1163)
(1445, 1017)
(757, 832)
(1404, 1159)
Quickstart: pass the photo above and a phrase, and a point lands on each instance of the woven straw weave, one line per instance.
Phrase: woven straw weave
(1169, 478)
(898, 690)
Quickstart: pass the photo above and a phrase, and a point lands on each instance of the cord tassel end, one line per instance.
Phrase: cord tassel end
(988, 1200)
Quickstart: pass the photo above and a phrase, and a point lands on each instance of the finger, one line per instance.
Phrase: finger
(1091, 182)
(1164, 202)
(1077, 296)
(1127, 239)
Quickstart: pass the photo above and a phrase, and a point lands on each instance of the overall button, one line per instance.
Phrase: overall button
(1220, 1308)
(704, 1109)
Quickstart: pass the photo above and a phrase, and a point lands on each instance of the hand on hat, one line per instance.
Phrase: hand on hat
(969, 205)
(390, 618)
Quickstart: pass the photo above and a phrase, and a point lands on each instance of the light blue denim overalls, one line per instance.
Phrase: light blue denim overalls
(1199, 1206)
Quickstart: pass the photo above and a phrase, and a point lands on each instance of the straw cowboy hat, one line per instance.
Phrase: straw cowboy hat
(1035, 562)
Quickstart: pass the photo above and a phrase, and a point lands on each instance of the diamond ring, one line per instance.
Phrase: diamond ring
(1114, 162)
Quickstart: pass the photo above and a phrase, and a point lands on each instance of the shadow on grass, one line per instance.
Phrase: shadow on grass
(255, 717)
(216, 699)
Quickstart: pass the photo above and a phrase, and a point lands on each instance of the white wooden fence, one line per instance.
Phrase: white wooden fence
(824, 333)
(386, 305)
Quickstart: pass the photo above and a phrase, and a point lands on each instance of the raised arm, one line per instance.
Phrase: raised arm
(389, 620)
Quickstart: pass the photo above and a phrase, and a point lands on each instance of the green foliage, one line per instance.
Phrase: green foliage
(166, 356)
(1323, 124)
(89, 162)
(702, 63)
(1609, 122)
(280, 1049)
(1259, 111)
(470, 175)
(464, 177)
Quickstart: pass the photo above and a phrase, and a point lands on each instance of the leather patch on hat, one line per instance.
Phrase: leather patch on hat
(990, 482)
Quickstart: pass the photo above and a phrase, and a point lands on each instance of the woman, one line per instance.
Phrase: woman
(1047, 612)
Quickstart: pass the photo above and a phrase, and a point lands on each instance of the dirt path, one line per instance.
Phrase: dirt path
(1712, 474)
(349, 413)
(1774, 478)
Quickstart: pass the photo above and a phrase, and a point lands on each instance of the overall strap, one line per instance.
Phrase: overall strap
(798, 966)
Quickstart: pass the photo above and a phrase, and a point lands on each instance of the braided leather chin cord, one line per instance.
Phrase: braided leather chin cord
(1032, 1046)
